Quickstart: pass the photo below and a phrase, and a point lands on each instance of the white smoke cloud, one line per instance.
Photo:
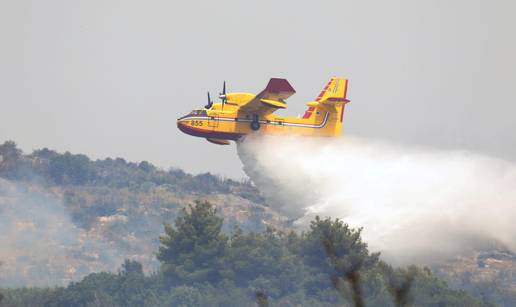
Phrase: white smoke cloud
(415, 204)
(39, 243)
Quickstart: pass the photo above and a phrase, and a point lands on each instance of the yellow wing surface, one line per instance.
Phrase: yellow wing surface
(270, 99)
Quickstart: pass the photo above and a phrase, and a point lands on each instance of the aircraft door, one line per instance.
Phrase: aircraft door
(213, 121)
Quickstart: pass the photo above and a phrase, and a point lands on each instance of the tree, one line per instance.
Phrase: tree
(192, 251)
(9, 151)
(335, 247)
(339, 251)
(130, 267)
(146, 167)
(10, 157)
(71, 169)
(263, 261)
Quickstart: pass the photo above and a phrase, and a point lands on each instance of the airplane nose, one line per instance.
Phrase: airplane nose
(181, 125)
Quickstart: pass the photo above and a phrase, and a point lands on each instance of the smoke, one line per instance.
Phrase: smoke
(40, 245)
(415, 204)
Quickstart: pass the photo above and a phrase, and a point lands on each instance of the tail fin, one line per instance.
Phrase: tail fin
(331, 100)
(335, 90)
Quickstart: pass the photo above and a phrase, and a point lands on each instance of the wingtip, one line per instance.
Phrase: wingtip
(279, 85)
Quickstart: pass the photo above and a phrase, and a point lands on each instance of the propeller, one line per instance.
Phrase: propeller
(210, 103)
(223, 95)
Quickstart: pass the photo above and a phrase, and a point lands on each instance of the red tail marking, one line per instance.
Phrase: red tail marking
(308, 113)
(324, 90)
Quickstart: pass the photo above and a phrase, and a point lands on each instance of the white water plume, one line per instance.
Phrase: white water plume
(415, 204)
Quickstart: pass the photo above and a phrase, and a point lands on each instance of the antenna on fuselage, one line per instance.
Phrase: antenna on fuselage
(210, 103)
(223, 95)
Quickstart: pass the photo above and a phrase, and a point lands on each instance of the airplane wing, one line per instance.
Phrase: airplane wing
(270, 99)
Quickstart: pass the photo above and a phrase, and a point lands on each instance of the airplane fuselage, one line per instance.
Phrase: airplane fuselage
(224, 125)
(222, 122)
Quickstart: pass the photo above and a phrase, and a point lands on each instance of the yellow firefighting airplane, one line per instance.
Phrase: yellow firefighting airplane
(239, 114)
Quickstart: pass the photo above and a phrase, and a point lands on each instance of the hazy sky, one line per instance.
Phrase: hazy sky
(110, 78)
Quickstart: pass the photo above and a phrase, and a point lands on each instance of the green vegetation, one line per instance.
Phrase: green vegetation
(69, 169)
(193, 252)
(207, 257)
(94, 214)
(327, 265)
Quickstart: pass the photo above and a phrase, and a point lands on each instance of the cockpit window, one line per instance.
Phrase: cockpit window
(195, 113)
(198, 113)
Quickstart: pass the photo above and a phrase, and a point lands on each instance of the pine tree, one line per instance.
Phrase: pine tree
(192, 251)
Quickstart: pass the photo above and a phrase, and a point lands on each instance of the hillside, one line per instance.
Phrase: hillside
(488, 274)
(64, 216)
(88, 216)
(200, 265)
